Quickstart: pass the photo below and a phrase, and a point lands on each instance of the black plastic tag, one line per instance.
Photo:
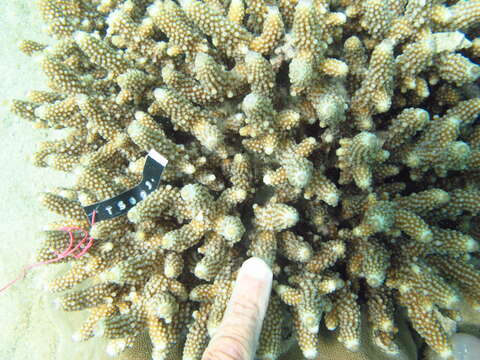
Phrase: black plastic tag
(121, 204)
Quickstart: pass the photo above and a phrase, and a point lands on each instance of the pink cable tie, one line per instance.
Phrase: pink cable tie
(67, 252)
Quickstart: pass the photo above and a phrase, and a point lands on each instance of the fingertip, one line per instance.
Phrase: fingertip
(238, 333)
(256, 268)
(253, 286)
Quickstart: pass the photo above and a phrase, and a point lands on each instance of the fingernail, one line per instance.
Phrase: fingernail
(256, 268)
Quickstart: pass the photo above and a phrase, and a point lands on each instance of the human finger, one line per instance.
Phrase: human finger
(237, 336)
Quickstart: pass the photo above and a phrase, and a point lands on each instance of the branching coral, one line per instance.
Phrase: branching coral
(337, 140)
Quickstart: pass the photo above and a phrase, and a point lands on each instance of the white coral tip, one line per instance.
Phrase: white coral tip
(115, 347)
(160, 94)
(352, 344)
(310, 353)
(80, 36)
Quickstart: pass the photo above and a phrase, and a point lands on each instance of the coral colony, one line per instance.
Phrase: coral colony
(335, 139)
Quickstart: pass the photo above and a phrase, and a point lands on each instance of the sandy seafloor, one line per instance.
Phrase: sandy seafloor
(30, 327)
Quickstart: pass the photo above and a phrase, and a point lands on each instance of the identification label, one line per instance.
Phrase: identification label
(121, 204)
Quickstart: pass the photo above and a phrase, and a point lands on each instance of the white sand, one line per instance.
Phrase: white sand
(30, 328)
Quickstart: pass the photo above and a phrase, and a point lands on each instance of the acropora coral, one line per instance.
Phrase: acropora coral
(335, 139)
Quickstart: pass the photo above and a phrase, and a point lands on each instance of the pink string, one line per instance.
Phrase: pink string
(70, 250)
